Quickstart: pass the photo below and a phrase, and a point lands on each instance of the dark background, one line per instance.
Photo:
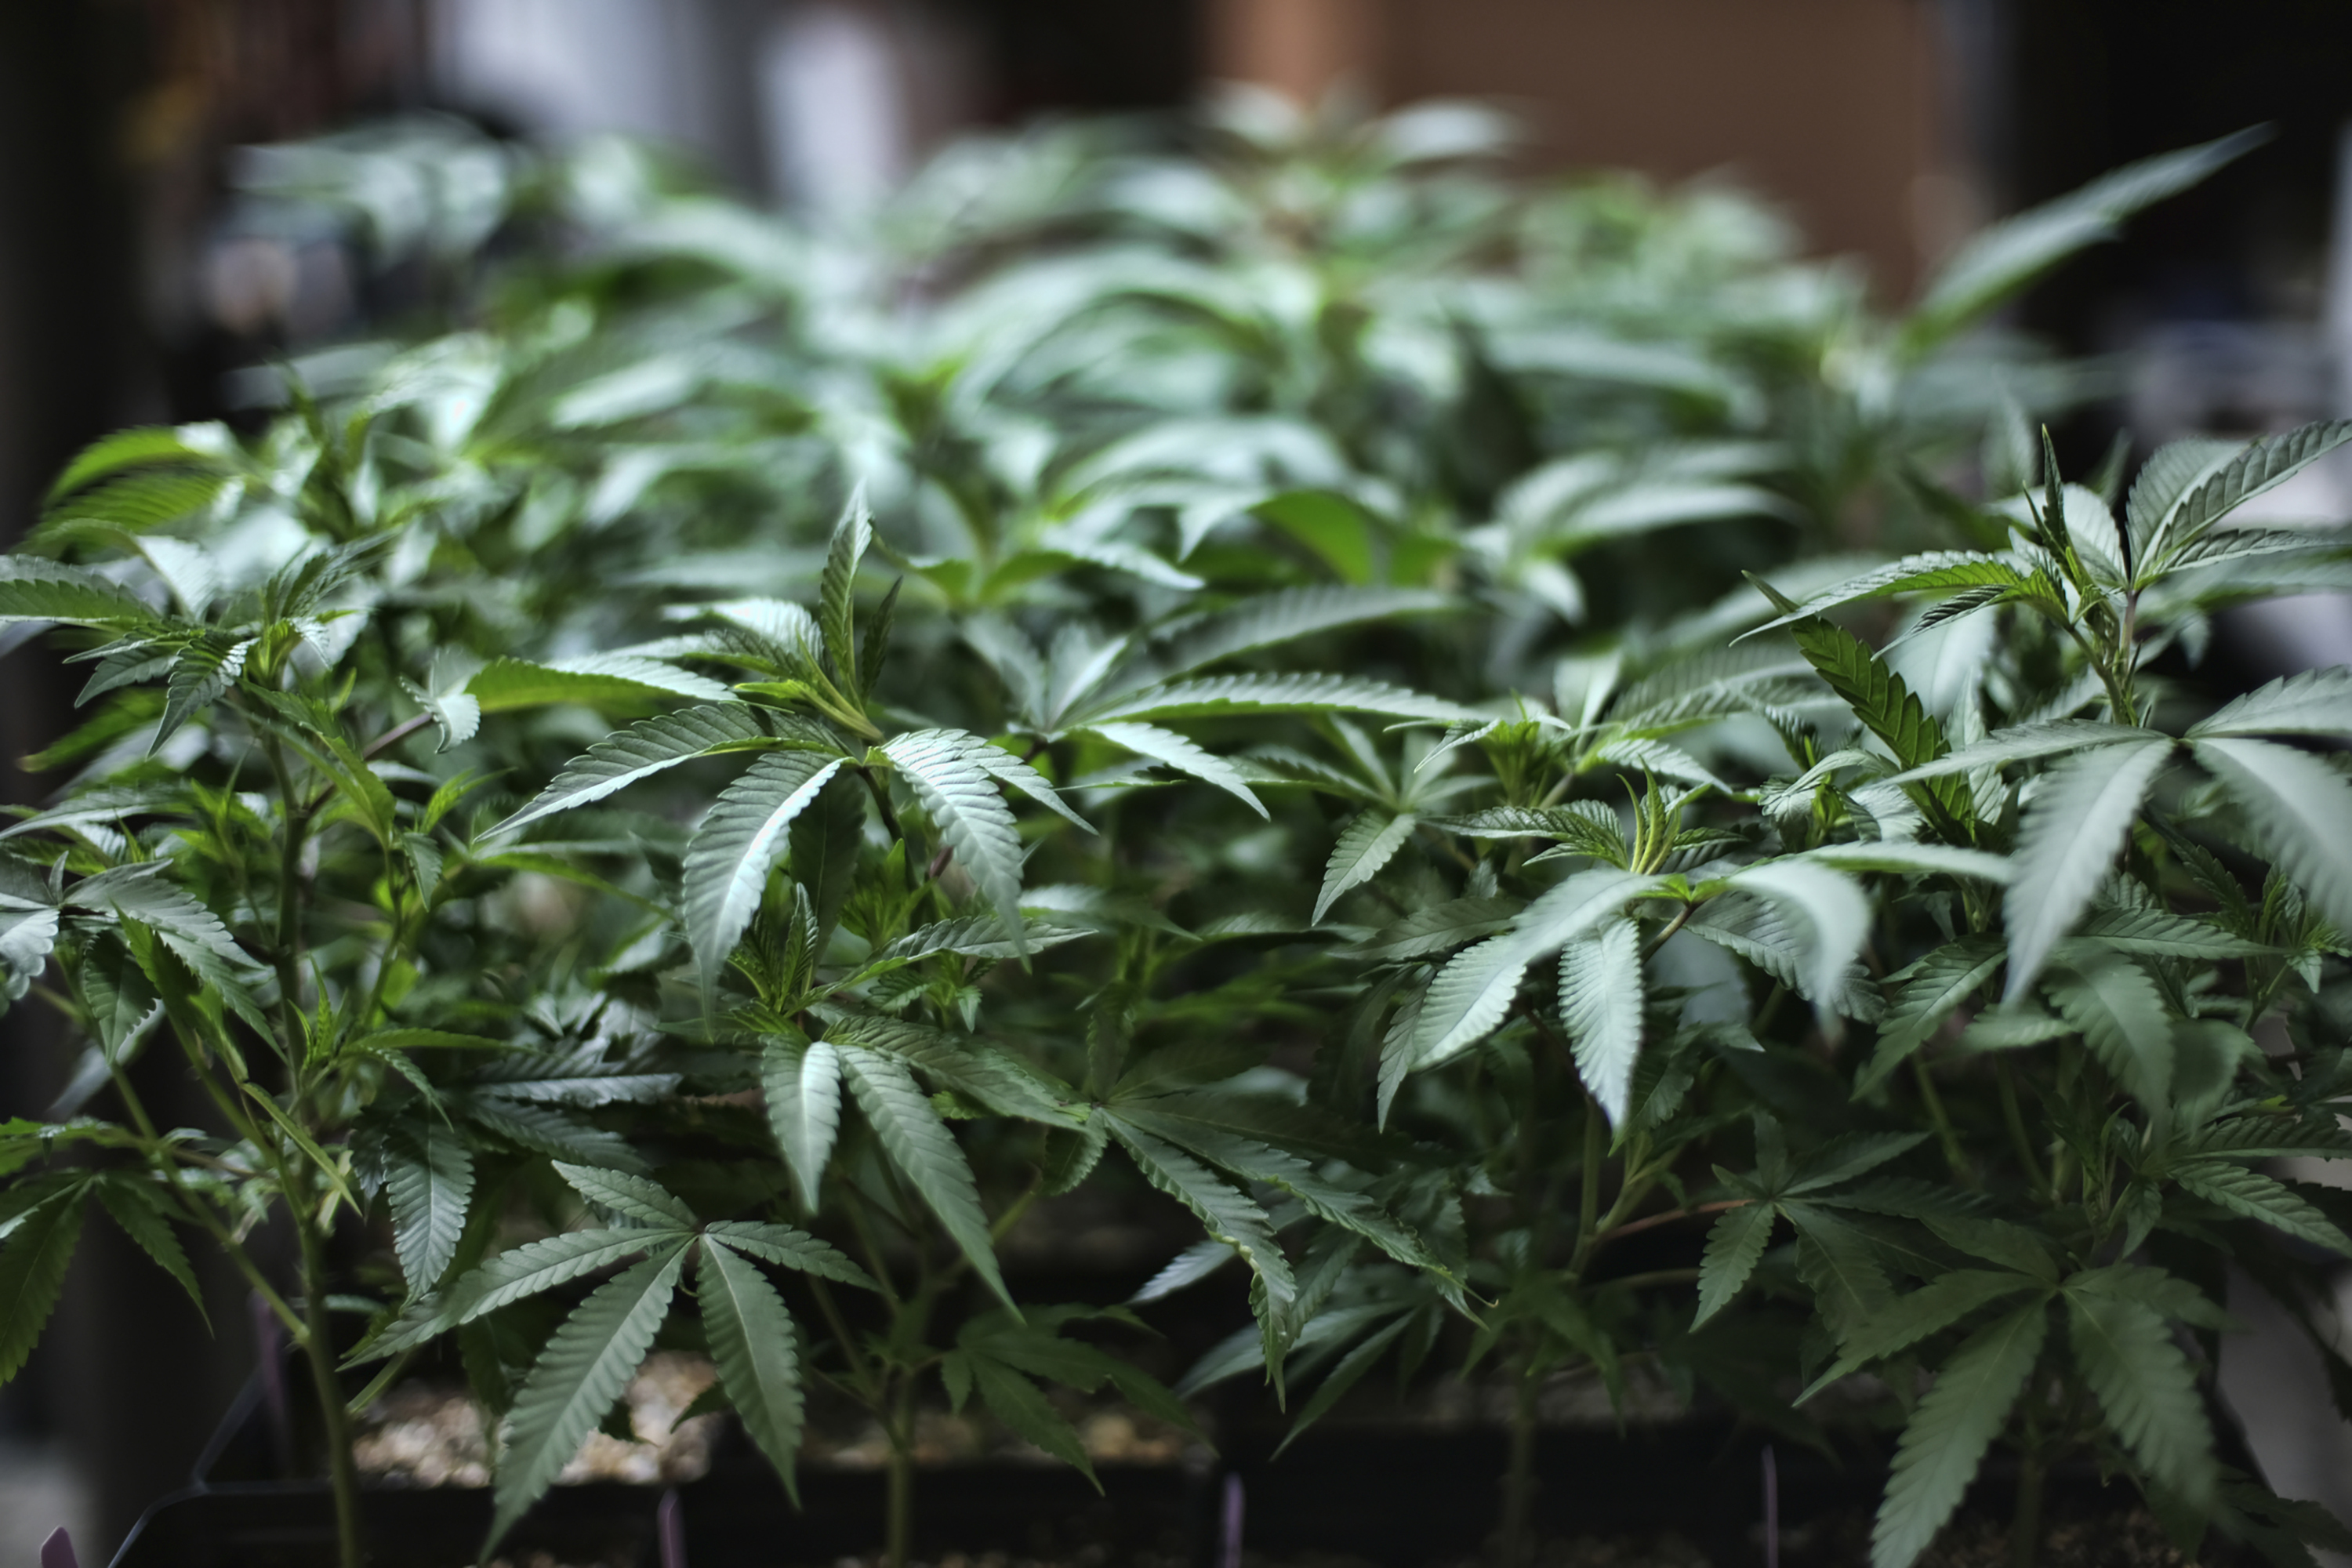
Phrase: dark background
(1887, 127)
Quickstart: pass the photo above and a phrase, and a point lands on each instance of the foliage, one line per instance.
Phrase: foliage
(753, 747)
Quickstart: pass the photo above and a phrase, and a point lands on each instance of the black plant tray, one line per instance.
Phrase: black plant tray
(736, 1517)
(291, 1524)
(729, 1521)
(1410, 1498)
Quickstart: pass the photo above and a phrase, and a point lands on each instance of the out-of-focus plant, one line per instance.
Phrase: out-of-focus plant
(2083, 1050)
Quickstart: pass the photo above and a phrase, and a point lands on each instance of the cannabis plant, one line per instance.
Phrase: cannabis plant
(856, 907)
(240, 868)
(1606, 1093)
(2106, 1055)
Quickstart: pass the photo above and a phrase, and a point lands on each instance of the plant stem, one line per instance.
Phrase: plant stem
(1519, 1479)
(900, 1518)
(1588, 1196)
(317, 1341)
(1943, 1123)
(2018, 1136)
(1669, 1217)
(2025, 1523)
(1682, 919)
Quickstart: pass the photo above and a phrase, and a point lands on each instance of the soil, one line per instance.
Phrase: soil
(431, 1434)
(422, 1435)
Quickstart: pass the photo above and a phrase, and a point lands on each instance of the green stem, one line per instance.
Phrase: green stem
(1942, 1120)
(860, 1368)
(1681, 919)
(2025, 1522)
(2019, 1139)
(290, 882)
(159, 1155)
(318, 1342)
(1588, 1196)
(898, 1523)
(1519, 1479)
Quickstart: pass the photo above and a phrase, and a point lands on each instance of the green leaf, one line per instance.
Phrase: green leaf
(1025, 1411)
(1933, 1307)
(738, 843)
(1438, 928)
(32, 1273)
(2114, 1005)
(1831, 906)
(2147, 1390)
(2022, 743)
(143, 892)
(205, 670)
(1274, 694)
(632, 1197)
(991, 1076)
(511, 1276)
(972, 936)
(1475, 990)
(1840, 1261)
(1586, 827)
(2249, 474)
(1368, 842)
(1937, 569)
(1006, 768)
(457, 715)
(1735, 1244)
(837, 593)
(1229, 1216)
(2158, 933)
(1601, 1007)
(2013, 1246)
(578, 1377)
(27, 936)
(2005, 257)
(1328, 523)
(782, 1245)
(2174, 470)
(1885, 707)
(2298, 807)
(2253, 1196)
(406, 1038)
(2316, 702)
(141, 446)
(1911, 859)
(972, 819)
(1469, 997)
(756, 1346)
(139, 1210)
(643, 750)
(429, 1176)
(1172, 750)
(1343, 1377)
(826, 839)
(504, 685)
(33, 589)
(1949, 1430)
(926, 1153)
(1264, 620)
(1257, 1161)
(2066, 845)
(1931, 991)
(802, 1086)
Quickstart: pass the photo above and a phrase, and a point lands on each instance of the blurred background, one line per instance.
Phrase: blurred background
(133, 288)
